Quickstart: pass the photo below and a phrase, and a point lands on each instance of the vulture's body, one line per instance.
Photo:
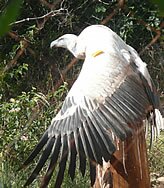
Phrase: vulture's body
(112, 95)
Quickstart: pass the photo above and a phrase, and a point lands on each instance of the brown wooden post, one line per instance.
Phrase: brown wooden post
(128, 167)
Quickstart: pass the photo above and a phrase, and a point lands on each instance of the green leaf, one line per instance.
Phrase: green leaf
(100, 9)
(9, 15)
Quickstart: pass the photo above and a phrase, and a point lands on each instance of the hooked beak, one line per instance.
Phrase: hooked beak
(53, 43)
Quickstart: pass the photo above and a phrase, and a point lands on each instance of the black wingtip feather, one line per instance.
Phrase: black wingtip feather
(84, 142)
(97, 155)
(82, 157)
(72, 165)
(80, 151)
(63, 161)
(60, 175)
(105, 137)
(92, 173)
(73, 153)
(53, 161)
(98, 141)
(36, 150)
(41, 161)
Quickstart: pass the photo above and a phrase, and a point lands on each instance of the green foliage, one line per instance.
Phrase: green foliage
(23, 120)
(9, 15)
(16, 114)
(156, 160)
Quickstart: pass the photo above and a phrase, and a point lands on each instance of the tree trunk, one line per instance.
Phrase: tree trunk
(128, 168)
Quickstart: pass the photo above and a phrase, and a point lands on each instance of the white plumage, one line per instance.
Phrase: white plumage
(113, 93)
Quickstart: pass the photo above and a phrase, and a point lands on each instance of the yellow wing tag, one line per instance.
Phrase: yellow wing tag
(97, 53)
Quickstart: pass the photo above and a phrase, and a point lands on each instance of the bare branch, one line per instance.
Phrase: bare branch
(120, 5)
(17, 56)
(64, 72)
(52, 13)
(154, 40)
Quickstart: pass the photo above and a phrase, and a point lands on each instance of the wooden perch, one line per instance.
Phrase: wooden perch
(128, 168)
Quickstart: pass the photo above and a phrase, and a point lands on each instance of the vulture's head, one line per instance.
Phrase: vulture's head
(69, 41)
(92, 39)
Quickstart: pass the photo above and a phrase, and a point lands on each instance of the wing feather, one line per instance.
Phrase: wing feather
(134, 110)
(83, 140)
(120, 116)
(101, 105)
(91, 141)
(41, 161)
(92, 172)
(82, 156)
(111, 123)
(105, 136)
(73, 154)
(62, 163)
(53, 161)
(101, 149)
(37, 149)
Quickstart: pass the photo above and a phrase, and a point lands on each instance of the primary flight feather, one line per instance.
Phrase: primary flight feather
(113, 93)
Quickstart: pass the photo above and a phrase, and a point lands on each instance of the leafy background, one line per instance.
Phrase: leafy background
(34, 79)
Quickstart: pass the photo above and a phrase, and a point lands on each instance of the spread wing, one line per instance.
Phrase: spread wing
(107, 100)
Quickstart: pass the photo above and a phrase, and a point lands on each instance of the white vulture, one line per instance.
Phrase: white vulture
(113, 93)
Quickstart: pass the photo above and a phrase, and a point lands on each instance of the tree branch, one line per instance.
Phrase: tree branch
(64, 72)
(154, 40)
(18, 54)
(52, 13)
(120, 5)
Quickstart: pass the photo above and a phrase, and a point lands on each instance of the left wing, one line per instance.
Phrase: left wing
(105, 104)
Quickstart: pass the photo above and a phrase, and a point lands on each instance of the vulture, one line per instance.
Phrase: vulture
(112, 94)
